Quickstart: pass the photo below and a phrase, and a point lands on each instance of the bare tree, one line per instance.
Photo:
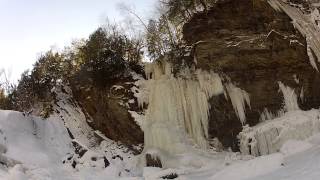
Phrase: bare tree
(5, 83)
(126, 8)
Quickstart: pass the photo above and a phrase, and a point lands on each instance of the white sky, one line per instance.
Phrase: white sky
(29, 27)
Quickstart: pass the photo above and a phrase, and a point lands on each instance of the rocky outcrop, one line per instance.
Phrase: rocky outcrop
(153, 161)
(254, 47)
(107, 108)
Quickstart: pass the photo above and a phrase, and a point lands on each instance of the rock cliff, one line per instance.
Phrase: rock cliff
(255, 47)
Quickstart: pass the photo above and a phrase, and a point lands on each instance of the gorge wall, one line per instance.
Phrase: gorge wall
(108, 107)
(254, 46)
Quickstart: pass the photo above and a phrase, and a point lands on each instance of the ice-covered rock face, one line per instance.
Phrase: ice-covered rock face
(257, 45)
(178, 107)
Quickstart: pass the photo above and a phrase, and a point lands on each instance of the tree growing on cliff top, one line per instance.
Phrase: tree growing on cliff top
(182, 10)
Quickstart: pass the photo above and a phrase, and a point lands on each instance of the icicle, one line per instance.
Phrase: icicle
(275, 5)
(290, 98)
(266, 115)
(302, 95)
(207, 80)
(295, 78)
(148, 68)
(311, 58)
(178, 109)
(195, 60)
(239, 98)
(268, 137)
(315, 16)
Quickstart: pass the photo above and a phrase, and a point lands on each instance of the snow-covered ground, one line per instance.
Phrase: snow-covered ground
(297, 156)
(34, 148)
(299, 160)
(296, 159)
(38, 149)
(64, 147)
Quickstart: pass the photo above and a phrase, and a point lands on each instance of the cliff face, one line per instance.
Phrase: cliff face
(108, 107)
(254, 46)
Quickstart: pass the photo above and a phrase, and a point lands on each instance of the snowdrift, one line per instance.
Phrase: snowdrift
(61, 147)
(269, 136)
(31, 148)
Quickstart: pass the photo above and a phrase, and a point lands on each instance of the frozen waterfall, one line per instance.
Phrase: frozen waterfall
(177, 114)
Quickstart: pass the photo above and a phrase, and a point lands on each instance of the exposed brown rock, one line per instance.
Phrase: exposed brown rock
(152, 161)
(109, 111)
(256, 47)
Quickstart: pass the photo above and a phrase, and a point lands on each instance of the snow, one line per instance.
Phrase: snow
(295, 160)
(176, 128)
(35, 148)
(72, 116)
(39, 149)
(33, 144)
(169, 137)
(252, 168)
(294, 146)
(268, 137)
(122, 161)
(139, 118)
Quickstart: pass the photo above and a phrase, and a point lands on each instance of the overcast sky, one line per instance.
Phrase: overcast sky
(29, 27)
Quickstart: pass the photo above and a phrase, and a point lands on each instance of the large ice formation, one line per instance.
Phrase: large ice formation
(178, 107)
(268, 137)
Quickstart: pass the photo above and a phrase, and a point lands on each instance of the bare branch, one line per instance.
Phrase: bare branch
(126, 8)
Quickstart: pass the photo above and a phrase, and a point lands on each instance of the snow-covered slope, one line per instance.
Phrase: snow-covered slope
(64, 147)
(61, 147)
(34, 147)
(297, 160)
